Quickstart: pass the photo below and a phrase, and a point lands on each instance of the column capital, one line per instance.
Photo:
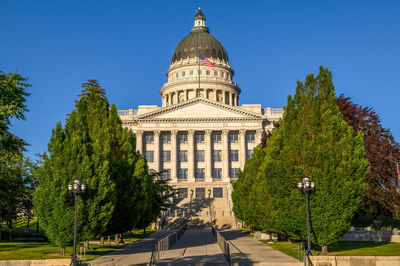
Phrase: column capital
(190, 131)
(139, 132)
(157, 132)
(242, 131)
(225, 131)
(208, 132)
(174, 132)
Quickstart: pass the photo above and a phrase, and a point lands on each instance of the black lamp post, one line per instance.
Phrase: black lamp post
(76, 188)
(307, 186)
(191, 196)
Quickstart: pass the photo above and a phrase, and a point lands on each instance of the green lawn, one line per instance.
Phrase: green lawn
(36, 251)
(344, 248)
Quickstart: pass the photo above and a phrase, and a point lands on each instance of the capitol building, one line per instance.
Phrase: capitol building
(200, 136)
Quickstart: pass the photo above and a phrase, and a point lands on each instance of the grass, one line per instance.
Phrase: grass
(45, 250)
(343, 248)
(37, 251)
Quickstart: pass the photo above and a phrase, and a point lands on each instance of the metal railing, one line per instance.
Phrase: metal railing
(223, 244)
(166, 243)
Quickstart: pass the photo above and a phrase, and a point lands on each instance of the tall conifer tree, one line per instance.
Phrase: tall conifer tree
(94, 148)
(313, 140)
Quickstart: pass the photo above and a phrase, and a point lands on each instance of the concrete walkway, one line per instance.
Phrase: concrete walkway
(135, 253)
(196, 247)
(248, 251)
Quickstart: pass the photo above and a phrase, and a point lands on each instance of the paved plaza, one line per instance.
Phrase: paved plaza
(198, 247)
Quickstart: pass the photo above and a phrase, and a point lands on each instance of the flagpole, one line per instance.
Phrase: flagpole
(198, 72)
(398, 174)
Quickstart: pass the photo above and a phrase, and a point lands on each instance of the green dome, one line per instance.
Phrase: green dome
(199, 41)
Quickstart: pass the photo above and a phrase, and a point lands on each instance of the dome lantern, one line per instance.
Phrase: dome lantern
(199, 19)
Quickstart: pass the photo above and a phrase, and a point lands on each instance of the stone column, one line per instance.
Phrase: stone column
(242, 156)
(216, 95)
(139, 141)
(225, 156)
(208, 177)
(258, 136)
(191, 156)
(174, 155)
(157, 151)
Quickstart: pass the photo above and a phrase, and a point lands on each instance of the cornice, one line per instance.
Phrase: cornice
(178, 106)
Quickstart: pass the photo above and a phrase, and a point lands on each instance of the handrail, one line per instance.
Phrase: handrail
(166, 243)
(222, 243)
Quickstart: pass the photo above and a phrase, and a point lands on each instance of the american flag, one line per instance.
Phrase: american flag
(204, 61)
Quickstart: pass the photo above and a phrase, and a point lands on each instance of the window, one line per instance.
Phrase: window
(222, 74)
(191, 72)
(217, 192)
(182, 174)
(234, 172)
(200, 193)
(249, 154)
(227, 75)
(199, 173)
(183, 156)
(182, 193)
(199, 156)
(217, 155)
(233, 137)
(217, 173)
(199, 138)
(149, 156)
(166, 174)
(177, 75)
(182, 138)
(216, 137)
(215, 73)
(183, 73)
(207, 72)
(166, 156)
(250, 137)
(166, 138)
(149, 138)
(234, 155)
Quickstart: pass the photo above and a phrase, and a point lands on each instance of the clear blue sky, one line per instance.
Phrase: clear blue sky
(128, 45)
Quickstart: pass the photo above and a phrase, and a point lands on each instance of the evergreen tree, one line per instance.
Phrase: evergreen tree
(313, 140)
(380, 196)
(94, 148)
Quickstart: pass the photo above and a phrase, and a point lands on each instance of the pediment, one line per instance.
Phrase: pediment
(199, 109)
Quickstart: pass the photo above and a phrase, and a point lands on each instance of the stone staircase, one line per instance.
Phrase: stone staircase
(203, 211)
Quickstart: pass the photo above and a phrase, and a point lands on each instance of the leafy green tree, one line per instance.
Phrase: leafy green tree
(12, 105)
(313, 140)
(94, 148)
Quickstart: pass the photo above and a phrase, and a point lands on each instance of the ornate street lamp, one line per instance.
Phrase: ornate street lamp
(307, 186)
(191, 196)
(76, 188)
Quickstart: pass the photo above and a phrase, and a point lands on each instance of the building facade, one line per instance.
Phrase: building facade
(200, 137)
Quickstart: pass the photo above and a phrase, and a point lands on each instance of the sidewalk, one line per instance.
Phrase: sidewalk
(136, 253)
(248, 251)
(196, 247)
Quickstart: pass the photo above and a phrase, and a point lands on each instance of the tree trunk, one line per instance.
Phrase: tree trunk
(324, 250)
(28, 223)
(102, 240)
(62, 251)
(144, 230)
(109, 240)
(37, 227)
(116, 239)
(10, 236)
(86, 244)
(1, 228)
(121, 241)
